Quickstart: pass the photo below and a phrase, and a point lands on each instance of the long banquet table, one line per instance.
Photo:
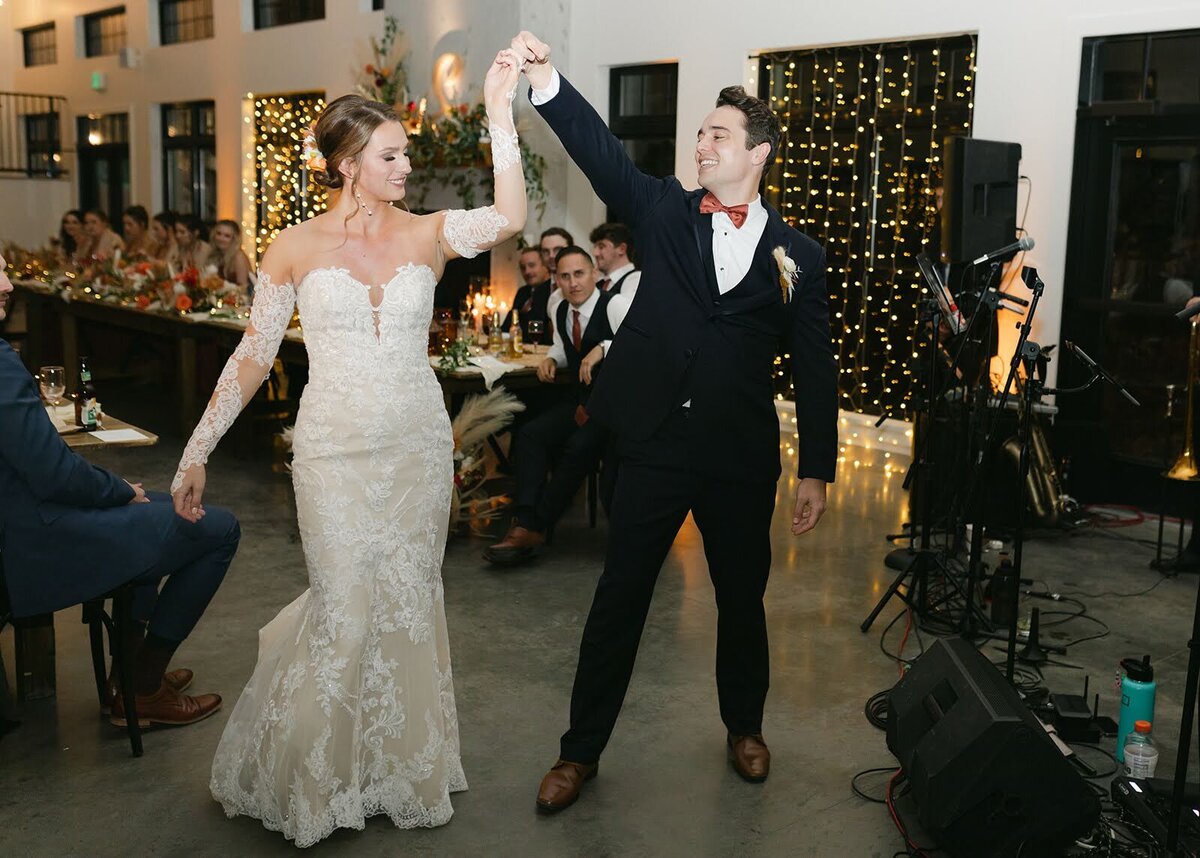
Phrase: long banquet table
(45, 306)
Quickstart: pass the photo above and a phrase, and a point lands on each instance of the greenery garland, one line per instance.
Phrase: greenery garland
(452, 150)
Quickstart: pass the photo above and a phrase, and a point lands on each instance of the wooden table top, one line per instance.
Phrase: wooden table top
(113, 433)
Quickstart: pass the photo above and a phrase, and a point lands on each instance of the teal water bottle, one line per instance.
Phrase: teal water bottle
(1137, 698)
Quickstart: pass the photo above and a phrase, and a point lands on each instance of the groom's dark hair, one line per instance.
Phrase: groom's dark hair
(762, 125)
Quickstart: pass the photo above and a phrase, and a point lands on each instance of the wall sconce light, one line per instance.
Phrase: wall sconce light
(448, 80)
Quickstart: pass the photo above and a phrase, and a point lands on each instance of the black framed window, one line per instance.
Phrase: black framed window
(641, 113)
(104, 32)
(376, 5)
(1147, 67)
(43, 144)
(189, 141)
(41, 45)
(102, 150)
(275, 13)
(184, 21)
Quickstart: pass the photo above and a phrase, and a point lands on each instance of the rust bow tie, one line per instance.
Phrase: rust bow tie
(737, 214)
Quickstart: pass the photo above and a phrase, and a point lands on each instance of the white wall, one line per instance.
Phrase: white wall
(1027, 87)
(318, 55)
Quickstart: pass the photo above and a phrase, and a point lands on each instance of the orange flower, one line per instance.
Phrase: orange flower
(370, 68)
(183, 303)
(143, 301)
(385, 72)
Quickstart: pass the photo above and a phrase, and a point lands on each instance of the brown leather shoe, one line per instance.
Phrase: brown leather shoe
(750, 757)
(178, 679)
(518, 545)
(562, 784)
(167, 707)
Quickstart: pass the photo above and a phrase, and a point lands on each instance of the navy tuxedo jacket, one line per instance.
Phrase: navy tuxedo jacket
(683, 340)
(67, 531)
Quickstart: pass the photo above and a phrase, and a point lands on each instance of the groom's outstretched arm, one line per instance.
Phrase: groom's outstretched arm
(600, 155)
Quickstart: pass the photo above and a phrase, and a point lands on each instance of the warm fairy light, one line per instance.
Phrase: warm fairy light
(858, 170)
(283, 190)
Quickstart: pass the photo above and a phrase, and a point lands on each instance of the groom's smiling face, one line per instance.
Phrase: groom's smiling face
(722, 159)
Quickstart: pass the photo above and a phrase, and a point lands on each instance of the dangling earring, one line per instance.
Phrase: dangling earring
(358, 197)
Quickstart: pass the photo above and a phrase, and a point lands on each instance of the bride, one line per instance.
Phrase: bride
(350, 711)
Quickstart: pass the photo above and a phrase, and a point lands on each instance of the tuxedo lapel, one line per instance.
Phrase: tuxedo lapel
(702, 230)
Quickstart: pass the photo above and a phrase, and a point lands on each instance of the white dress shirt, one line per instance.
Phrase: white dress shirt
(618, 306)
(629, 287)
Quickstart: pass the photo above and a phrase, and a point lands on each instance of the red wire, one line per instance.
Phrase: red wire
(903, 641)
(1137, 518)
(896, 817)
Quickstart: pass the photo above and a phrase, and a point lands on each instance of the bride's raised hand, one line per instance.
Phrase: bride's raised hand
(501, 83)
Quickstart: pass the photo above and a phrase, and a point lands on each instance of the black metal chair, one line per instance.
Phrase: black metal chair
(117, 623)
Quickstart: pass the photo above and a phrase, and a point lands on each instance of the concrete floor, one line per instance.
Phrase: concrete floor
(69, 787)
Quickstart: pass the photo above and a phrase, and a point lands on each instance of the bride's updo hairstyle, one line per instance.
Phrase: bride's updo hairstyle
(342, 132)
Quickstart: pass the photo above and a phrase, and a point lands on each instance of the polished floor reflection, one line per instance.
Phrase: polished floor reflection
(68, 785)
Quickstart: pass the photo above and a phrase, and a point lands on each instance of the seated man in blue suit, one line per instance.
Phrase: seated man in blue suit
(71, 531)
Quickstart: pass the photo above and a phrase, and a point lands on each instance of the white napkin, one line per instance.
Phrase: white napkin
(491, 368)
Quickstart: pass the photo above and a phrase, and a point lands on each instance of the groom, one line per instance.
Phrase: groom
(687, 389)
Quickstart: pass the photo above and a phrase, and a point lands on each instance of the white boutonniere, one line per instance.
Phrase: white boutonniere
(788, 272)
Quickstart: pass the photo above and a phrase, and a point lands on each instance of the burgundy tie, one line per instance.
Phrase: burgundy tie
(605, 284)
(576, 332)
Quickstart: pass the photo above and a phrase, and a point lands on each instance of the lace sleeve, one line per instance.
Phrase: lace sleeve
(244, 372)
(472, 232)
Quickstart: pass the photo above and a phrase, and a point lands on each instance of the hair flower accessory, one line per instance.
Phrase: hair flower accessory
(313, 158)
(788, 272)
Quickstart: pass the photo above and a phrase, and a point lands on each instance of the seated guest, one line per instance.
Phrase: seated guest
(102, 241)
(552, 241)
(232, 263)
(71, 239)
(162, 238)
(136, 225)
(612, 245)
(586, 321)
(71, 531)
(193, 250)
(530, 300)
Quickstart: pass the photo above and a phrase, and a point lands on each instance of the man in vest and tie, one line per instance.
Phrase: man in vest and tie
(585, 322)
(612, 246)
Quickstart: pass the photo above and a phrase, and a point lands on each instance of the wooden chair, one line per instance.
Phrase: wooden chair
(97, 620)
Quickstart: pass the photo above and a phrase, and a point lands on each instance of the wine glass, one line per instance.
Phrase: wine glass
(536, 329)
(52, 380)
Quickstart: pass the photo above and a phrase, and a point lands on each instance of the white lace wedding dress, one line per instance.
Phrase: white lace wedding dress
(350, 711)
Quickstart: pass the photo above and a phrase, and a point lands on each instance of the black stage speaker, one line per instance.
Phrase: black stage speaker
(979, 197)
(987, 779)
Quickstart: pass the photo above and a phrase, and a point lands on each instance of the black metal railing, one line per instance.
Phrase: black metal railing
(31, 134)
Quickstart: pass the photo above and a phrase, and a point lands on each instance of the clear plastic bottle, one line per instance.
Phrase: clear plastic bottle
(1141, 755)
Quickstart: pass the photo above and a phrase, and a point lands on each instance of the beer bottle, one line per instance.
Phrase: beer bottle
(85, 399)
(515, 339)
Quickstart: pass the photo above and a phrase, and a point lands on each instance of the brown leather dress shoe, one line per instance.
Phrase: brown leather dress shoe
(562, 784)
(519, 545)
(750, 757)
(178, 679)
(168, 708)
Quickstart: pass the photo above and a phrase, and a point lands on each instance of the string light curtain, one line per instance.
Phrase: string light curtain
(859, 170)
(284, 191)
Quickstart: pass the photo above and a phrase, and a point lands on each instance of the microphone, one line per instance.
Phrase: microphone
(1025, 243)
(1187, 312)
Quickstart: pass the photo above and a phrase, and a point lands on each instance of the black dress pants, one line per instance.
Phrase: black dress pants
(658, 483)
(553, 442)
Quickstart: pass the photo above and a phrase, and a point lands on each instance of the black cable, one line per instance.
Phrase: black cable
(891, 770)
(1115, 765)
(876, 709)
(1110, 594)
